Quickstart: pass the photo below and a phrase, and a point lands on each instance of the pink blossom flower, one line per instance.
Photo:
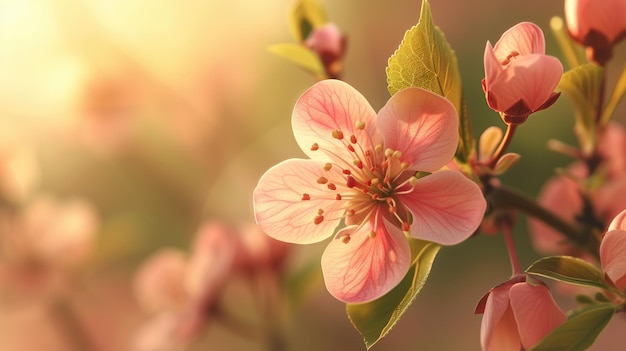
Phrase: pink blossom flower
(613, 251)
(563, 195)
(363, 171)
(181, 291)
(517, 314)
(330, 45)
(596, 24)
(519, 78)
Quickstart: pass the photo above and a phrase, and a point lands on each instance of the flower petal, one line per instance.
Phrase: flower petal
(367, 265)
(535, 76)
(613, 257)
(619, 222)
(446, 206)
(524, 38)
(498, 330)
(422, 125)
(281, 209)
(536, 312)
(332, 105)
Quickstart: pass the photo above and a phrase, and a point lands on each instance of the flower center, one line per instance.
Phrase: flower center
(371, 178)
(509, 57)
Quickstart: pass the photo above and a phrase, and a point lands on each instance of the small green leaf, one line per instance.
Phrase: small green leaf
(618, 93)
(376, 318)
(301, 56)
(579, 331)
(582, 86)
(568, 269)
(505, 162)
(426, 60)
(306, 15)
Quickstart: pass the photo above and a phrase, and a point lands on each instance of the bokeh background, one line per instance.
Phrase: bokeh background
(162, 115)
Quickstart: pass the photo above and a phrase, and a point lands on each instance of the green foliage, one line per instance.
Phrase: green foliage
(301, 56)
(568, 269)
(582, 86)
(425, 59)
(376, 318)
(618, 93)
(579, 331)
(304, 16)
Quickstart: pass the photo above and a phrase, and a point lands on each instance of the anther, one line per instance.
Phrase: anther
(404, 165)
(375, 197)
(328, 166)
(315, 147)
(338, 197)
(345, 239)
(346, 171)
(337, 134)
(372, 234)
(322, 180)
(388, 152)
(318, 219)
(353, 139)
(351, 148)
(360, 125)
(306, 196)
(397, 154)
(405, 227)
(331, 186)
(320, 211)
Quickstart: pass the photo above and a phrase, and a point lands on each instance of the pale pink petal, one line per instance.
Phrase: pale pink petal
(281, 209)
(524, 38)
(498, 330)
(613, 257)
(158, 283)
(423, 126)
(493, 66)
(618, 222)
(535, 77)
(446, 206)
(562, 196)
(536, 312)
(332, 105)
(367, 265)
(214, 254)
(607, 17)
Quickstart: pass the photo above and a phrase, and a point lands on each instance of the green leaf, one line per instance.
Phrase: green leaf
(579, 331)
(582, 86)
(376, 318)
(616, 96)
(568, 269)
(426, 60)
(301, 56)
(305, 15)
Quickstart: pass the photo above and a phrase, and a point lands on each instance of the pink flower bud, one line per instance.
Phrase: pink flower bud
(330, 45)
(517, 314)
(519, 78)
(596, 24)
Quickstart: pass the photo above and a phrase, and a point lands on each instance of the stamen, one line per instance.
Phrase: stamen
(351, 148)
(338, 197)
(318, 219)
(351, 182)
(315, 147)
(320, 211)
(337, 134)
(346, 239)
(360, 125)
(353, 139)
(322, 180)
(372, 234)
(405, 227)
(331, 186)
(328, 166)
(306, 196)
(346, 171)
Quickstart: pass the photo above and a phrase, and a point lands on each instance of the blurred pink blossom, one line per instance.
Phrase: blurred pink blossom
(362, 170)
(562, 194)
(517, 315)
(519, 78)
(613, 251)
(596, 24)
(330, 45)
(41, 245)
(182, 291)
